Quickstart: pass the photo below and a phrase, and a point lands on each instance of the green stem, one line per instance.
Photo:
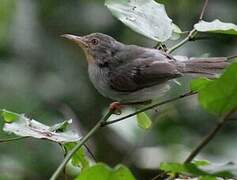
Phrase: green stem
(80, 144)
(148, 107)
(191, 34)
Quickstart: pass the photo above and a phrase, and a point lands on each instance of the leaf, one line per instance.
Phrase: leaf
(101, 171)
(216, 26)
(176, 31)
(207, 178)
(199, 83)
(79, 158)
(222, 170)
(143, 121)
(201, 163)
(60, 127)
(182, 168)
(9, 116)
(218, 96)
(20, 125)
(195, 170)
(146, 17)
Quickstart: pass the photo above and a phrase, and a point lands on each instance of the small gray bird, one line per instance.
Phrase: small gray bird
(133, 74)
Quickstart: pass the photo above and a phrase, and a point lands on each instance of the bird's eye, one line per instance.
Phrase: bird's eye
(94, 41)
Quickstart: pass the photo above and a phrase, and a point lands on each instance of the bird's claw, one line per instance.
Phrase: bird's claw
(116, 108)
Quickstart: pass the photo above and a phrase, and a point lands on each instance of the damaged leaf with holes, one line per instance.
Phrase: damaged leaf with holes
(21, 125)
(146, 17)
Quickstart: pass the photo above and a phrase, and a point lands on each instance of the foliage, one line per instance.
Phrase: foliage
(143, 121)
(149, 18)
(218, 96)
(20, 125)
(196, 169)
(145, 17)
(216, 26)
(101, 171)
(79, 159)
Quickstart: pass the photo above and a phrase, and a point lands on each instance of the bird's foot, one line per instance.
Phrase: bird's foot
(116, 107)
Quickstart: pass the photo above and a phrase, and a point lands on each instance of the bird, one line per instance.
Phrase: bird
(131, 74)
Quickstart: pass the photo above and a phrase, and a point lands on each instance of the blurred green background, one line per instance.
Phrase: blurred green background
(46, 77)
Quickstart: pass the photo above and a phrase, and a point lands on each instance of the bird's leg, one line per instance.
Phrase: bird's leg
(116, 107)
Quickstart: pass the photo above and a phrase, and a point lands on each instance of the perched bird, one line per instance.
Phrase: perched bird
(134, 74)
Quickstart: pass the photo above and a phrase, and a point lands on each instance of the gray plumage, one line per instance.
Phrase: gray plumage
(129, 73)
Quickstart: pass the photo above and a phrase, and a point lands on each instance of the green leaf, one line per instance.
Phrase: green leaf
(101, 171)
(218, 96)
(20, 125)
(201, 163)
(194, 170)
(143, 121)
(207, 178)
(79, 158)
(60, 127)
(198, 84)
(182, 168)
(146, 17)
(216, 26)
(9, 116)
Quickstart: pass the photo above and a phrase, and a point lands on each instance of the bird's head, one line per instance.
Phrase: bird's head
(98, 47)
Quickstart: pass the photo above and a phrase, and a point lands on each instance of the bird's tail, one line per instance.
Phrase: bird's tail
(203, 66)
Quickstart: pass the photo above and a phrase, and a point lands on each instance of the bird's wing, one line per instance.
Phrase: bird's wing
(142, 73)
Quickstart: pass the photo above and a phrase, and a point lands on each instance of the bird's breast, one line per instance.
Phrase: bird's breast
(99, 78)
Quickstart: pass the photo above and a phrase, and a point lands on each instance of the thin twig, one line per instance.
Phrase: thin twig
(232, 57)
(203, 10)
(64, 149)
(90, 152)
(191, 34)
(148, 107)
(80, 144)
(12, 139)
(208, 138)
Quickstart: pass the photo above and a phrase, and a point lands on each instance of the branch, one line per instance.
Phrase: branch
(208, 138)
(231, 57)
(102, 122)
(203, 10)
(149, 107)
(191, 34)
(80, 144)
(11, 139)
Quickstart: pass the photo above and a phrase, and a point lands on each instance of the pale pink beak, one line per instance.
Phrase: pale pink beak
(77, 39)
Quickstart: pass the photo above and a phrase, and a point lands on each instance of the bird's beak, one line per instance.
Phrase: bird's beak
(77, 39)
